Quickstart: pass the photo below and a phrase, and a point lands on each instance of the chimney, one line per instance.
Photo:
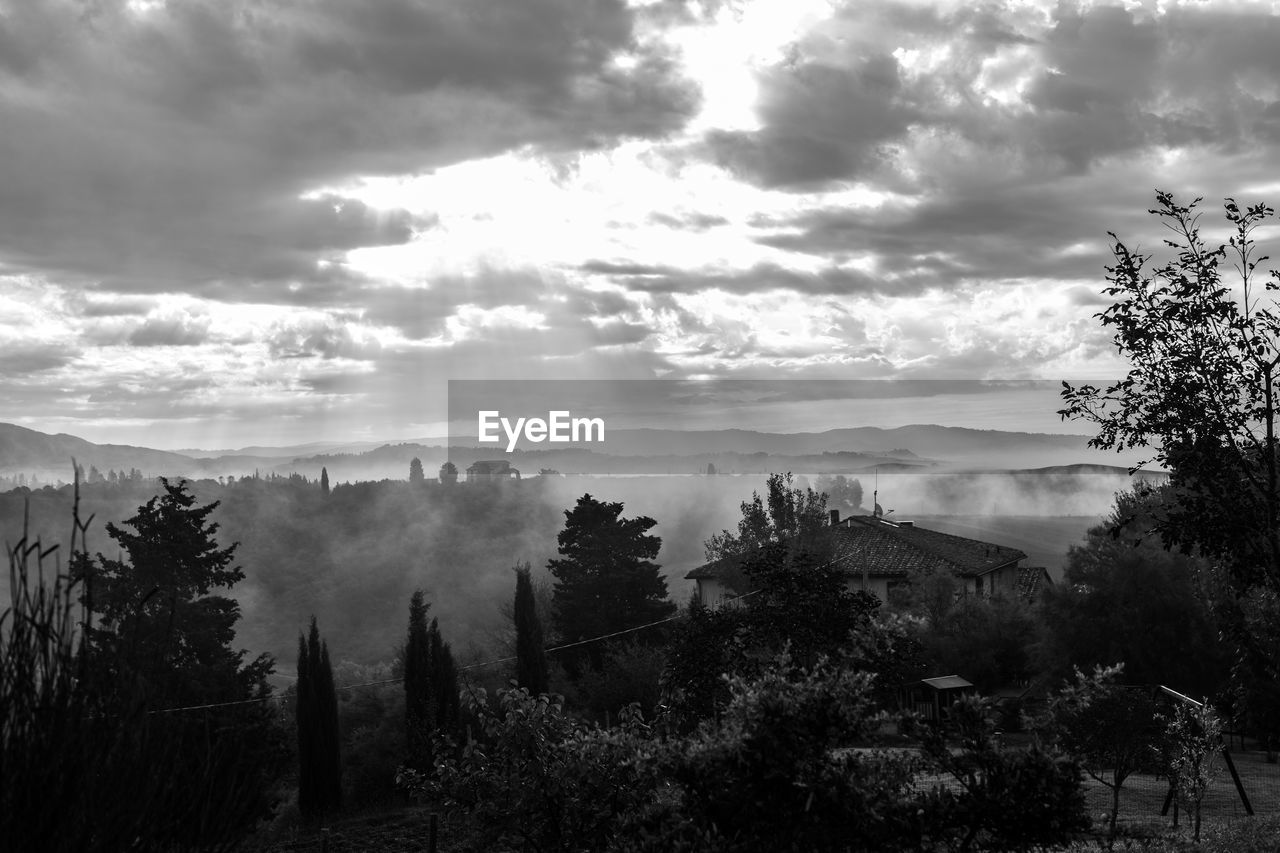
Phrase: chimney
(906, 524)
(835, 517)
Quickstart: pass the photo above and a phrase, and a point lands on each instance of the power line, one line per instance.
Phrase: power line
(468, 666)
(551, 650)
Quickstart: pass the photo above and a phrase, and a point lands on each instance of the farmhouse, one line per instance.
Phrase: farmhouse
(491, 472)
(877, 554)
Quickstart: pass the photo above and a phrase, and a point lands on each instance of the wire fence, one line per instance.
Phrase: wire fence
(1145, 796)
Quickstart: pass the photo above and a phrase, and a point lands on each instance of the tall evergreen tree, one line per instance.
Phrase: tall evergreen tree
(430, 684)
(161, 630)
(415, 471)
(319, 757)
(605, 578)
(444, 683)
(531, 657)
(324, 482)
(417, 683)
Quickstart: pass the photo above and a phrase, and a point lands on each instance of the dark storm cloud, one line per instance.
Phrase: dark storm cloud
(821, 123)
(983, 233)
(528, 48)
(168, 149)
(1107, 82)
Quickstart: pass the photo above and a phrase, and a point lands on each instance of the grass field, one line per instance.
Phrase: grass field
(1142, 796)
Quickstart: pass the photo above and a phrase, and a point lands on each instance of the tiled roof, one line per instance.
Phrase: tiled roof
(885, 549)
(1031, 581)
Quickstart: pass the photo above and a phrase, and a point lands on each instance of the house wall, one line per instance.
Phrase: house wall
(1001, 582)
(711, 592)
(879, 587)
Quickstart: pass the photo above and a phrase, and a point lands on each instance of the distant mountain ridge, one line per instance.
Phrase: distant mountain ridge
(28, 451)
(921, 439)
(919, 446)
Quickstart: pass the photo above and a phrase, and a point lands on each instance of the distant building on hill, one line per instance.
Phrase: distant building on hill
(491, 472)
(877, 555)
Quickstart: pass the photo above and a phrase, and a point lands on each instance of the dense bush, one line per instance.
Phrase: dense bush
(535, 775)
(630, 674)
(986, 639)
(777, 771)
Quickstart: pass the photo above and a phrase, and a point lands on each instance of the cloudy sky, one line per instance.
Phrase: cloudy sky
(226, 222)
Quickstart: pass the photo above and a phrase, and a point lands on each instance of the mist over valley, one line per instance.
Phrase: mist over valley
(354, 557)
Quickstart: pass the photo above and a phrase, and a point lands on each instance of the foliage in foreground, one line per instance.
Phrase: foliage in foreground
(1202, 393)
(776, 772)
(534, 775)
(88, 763)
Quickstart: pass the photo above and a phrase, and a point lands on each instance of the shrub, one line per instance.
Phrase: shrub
(629, 674)
(1009, 799)
(534, 774)
(776, 772)
(1112, 729)
(371, 720)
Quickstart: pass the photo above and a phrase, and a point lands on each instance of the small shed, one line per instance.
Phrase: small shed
(932, 698)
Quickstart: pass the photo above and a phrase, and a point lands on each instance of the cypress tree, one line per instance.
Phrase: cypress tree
(444, 683)
(324, 482)
(419, 718)
(304, 714)
(319, 757)
(416, 474)
(531, 657)
(331, 754)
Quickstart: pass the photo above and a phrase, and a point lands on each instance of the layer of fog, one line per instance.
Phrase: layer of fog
(459, 543)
